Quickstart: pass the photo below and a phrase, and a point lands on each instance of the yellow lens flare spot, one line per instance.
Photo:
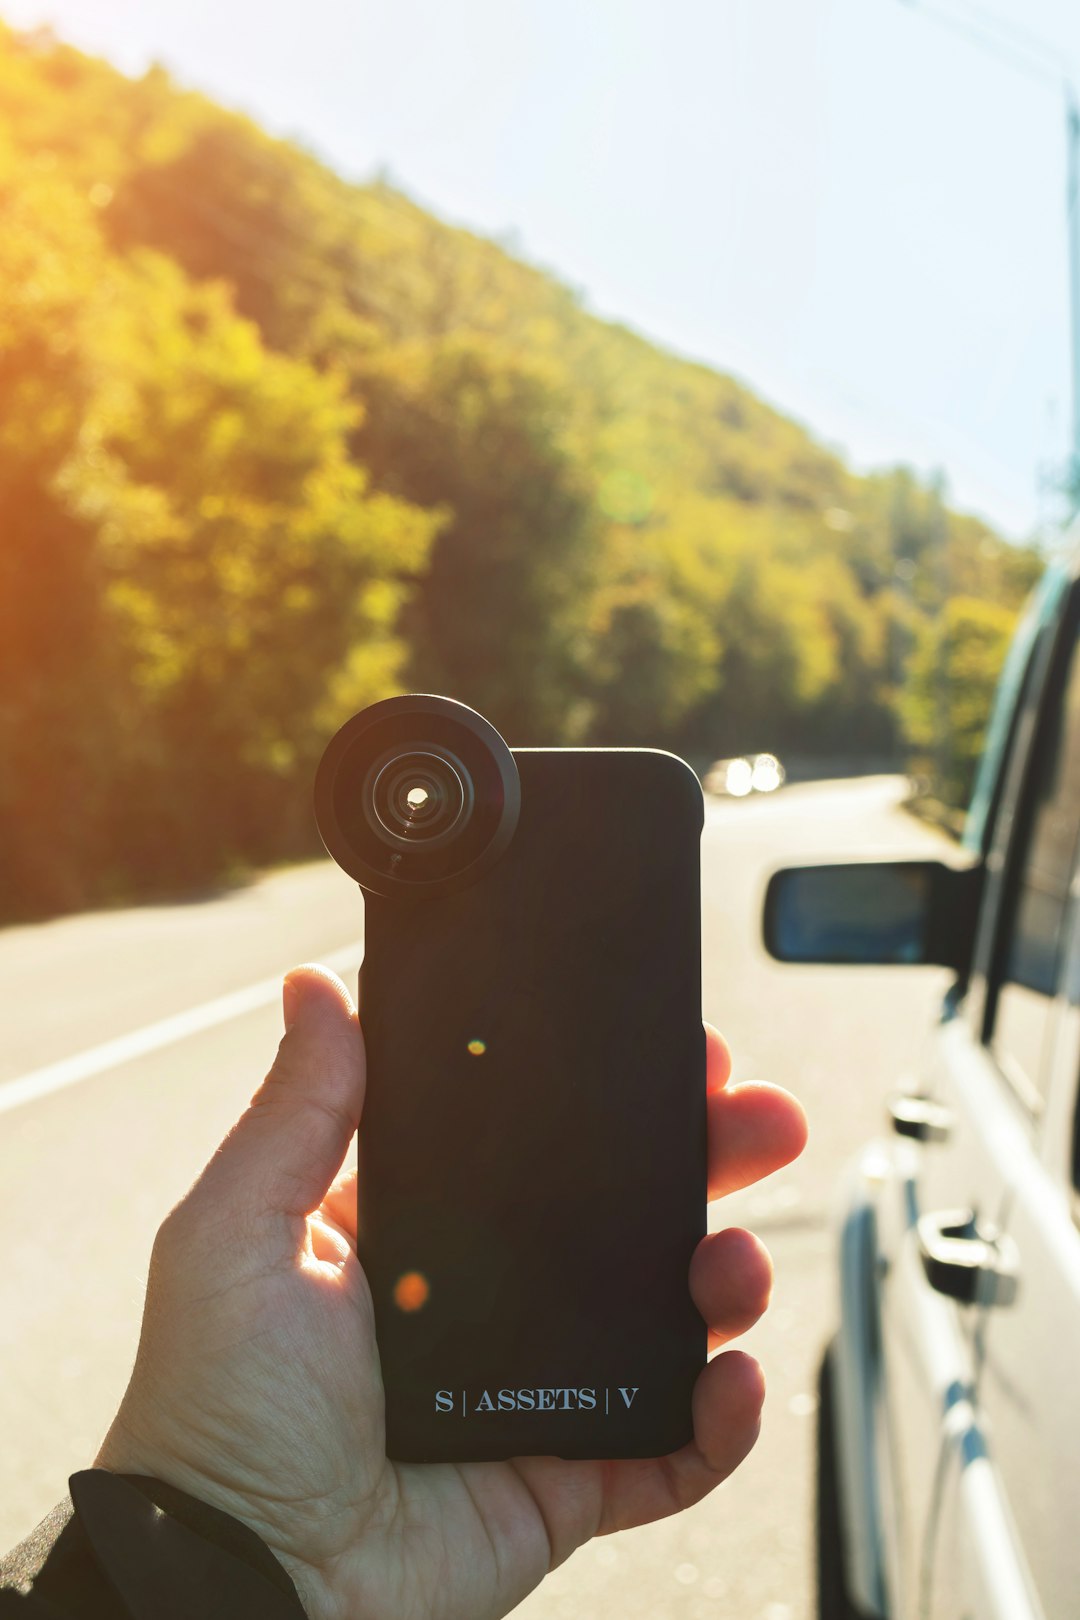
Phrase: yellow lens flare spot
(411, 1291)
(477, 1048)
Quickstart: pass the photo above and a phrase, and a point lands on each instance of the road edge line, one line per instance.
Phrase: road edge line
(122, 1049)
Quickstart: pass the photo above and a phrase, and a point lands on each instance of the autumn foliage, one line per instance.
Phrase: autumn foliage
(273, 446)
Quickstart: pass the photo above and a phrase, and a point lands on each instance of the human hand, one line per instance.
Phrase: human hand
(257, 1388)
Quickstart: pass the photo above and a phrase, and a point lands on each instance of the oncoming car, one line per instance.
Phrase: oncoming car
(748, 773)
(949, 1421)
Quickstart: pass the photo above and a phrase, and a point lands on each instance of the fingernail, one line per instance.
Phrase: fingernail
(290, 1003)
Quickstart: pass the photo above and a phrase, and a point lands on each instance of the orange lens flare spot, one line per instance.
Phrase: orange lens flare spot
(411, 1291)
(477, 1048)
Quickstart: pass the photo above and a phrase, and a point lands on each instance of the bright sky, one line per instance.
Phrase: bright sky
(841, 201)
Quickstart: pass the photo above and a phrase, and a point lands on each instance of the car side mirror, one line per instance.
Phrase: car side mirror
(885, 912)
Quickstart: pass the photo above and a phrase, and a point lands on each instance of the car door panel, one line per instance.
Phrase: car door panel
(929, 1340)
(1030, 1387)
(1000, 1538)
(975, 1565)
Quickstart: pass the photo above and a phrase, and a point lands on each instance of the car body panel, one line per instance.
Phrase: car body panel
(1030, 1390)
(929, 1345)
(856, 1393)
(958, 1425)
(975, 1567)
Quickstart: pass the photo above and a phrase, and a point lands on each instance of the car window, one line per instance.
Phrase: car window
(1041, 863)
(1066, 1058)
(1071, 989)
(1020, 664)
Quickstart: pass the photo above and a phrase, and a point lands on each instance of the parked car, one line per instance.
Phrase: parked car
(749, 773)
(949, 1420)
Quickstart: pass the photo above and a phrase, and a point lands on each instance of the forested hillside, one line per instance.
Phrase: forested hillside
(273, 446)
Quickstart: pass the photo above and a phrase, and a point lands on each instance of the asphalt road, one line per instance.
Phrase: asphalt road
(134, 1038)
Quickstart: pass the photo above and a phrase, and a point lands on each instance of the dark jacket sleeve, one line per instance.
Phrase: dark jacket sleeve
(125, 1547)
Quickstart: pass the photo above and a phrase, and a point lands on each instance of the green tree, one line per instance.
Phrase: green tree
(469, 428)
(54, 646)
(245, 564)
(946, 704)
(272, 445)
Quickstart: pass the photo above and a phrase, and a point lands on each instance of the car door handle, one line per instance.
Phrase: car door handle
(969, 1262)
(919, 1117)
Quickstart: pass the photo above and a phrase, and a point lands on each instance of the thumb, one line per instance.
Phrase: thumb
(286, 1149)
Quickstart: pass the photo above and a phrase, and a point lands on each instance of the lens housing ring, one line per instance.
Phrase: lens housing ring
(416, 741)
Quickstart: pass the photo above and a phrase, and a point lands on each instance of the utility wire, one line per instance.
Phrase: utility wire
(1025, 38)
(1021, 59)
(1033, 57)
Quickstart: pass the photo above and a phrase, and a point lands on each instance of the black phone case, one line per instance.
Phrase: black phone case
(532, 1150)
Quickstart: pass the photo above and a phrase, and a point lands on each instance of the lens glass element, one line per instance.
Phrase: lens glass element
(418, 796)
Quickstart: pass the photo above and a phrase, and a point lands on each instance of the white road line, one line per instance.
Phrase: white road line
(110, 1054)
